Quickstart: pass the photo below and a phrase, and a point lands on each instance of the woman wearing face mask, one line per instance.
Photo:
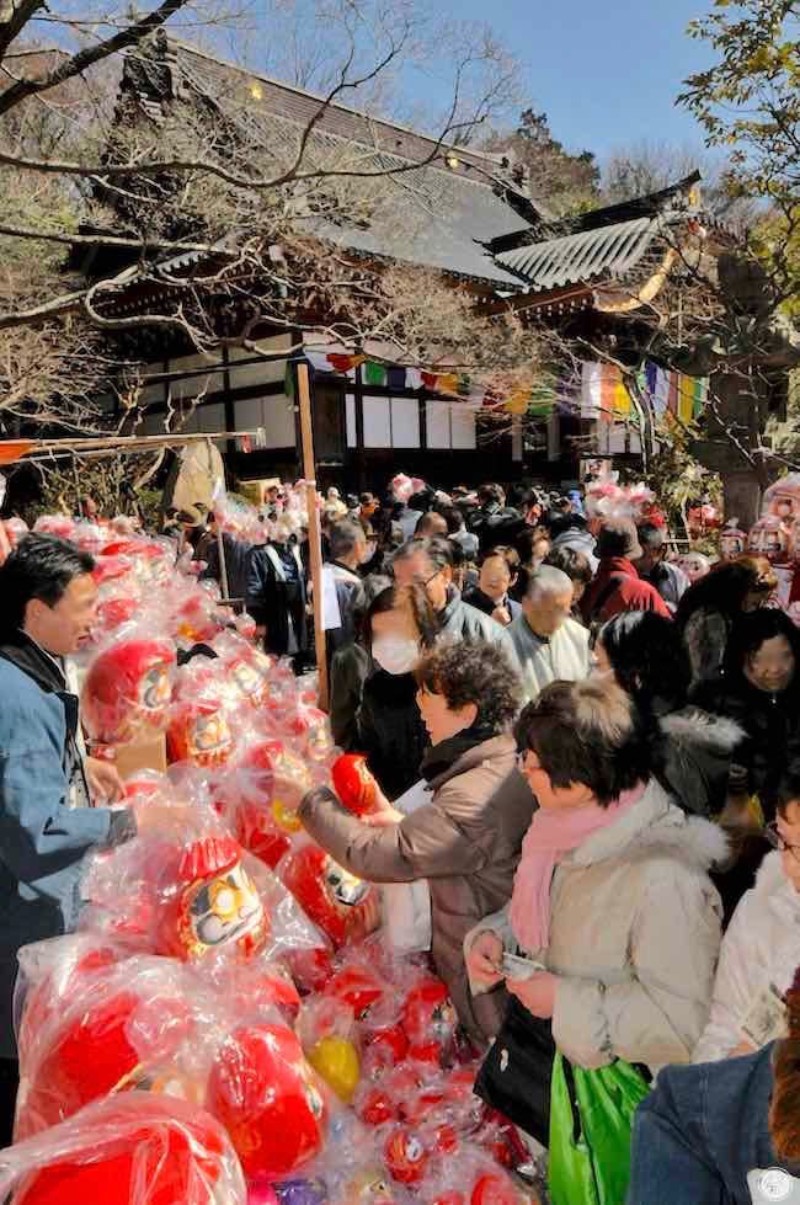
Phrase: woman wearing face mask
(466, 840)
(373, 691)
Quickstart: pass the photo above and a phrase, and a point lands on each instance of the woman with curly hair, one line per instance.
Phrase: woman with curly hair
(466, 839)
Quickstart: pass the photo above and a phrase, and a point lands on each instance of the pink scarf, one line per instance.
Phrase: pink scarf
(552, 834)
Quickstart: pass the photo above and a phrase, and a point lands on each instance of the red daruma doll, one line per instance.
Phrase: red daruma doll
(429, 1021)
(199, 733)
(344, 907)
(354, 785)
(134, 1149)
(264, 1092)
(127, 690)
(212, 904)
(115, 1023)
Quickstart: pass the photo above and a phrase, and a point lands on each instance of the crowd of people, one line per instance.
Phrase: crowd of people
(590, 760)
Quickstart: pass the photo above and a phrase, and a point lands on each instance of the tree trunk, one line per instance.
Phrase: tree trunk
(742, 494)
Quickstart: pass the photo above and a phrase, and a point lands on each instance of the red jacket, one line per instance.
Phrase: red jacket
(626, 592)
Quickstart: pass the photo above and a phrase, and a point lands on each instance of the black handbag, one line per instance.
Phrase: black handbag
(515, 1075)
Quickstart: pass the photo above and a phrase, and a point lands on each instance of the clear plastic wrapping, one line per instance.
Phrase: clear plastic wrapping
(134, 1149)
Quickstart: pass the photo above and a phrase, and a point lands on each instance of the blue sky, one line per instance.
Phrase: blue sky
(605, 71)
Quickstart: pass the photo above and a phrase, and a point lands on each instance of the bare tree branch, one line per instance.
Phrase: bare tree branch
(108, 240)
(21, 13)
(132, 35)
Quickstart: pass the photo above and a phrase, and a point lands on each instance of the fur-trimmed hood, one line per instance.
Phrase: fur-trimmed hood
(697, 749)
(655, 826)
(773, 890)
(695, 727)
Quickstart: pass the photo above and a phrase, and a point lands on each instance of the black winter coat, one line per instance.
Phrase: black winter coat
(376, 713)
(771, 727)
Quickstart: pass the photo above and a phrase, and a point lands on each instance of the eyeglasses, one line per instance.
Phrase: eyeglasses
(777, 841)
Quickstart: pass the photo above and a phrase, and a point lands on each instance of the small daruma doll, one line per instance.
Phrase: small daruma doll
(429, 1021)
(335, 900)
(199, 733)
(354, 784)
(313, 729)
(127, 690)
(212, 904)
(249, 679)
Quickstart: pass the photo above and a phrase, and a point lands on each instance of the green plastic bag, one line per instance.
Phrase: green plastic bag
(591, 1117)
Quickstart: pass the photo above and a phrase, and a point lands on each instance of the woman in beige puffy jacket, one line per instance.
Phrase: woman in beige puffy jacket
(612, 894)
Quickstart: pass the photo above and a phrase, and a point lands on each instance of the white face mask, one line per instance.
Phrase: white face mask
(396, 654)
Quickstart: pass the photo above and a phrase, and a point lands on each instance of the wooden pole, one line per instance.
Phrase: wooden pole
(223, 564)
(77, 483)
(314, 533)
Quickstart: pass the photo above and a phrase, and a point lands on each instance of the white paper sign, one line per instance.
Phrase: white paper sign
(407, 906)
(331, 615)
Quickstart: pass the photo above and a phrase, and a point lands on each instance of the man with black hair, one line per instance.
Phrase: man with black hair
(47, 605)
(458, 534)
(430, 563)
(495, 523)
(653, 566)
(571, 531)
(431, 524)
(348, 550)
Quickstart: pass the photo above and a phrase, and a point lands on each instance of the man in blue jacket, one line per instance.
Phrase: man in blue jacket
(704, 1136)
(47, 602)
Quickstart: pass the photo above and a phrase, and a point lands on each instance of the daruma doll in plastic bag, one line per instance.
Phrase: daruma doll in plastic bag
(769, 537)
(343, 906)
(211, 903)
(327, 1031)
(312, 729)
(114, 1025)
(249, 676)
(127, 1150)
(199, 732)
(50, 973)
(429, 1020)
(127, 690)
(264, 1092)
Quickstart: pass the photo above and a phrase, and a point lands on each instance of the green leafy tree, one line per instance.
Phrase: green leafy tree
(565, 183)
(748, 103)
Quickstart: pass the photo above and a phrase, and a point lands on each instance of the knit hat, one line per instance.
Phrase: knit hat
(618, 537)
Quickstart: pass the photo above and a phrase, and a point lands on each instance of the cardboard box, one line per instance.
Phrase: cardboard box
(142, 755)
(256, 491)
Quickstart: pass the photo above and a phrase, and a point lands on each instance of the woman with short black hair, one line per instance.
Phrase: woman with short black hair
(578, 569)
(612, 894)
(760, 691)
(465, 839)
